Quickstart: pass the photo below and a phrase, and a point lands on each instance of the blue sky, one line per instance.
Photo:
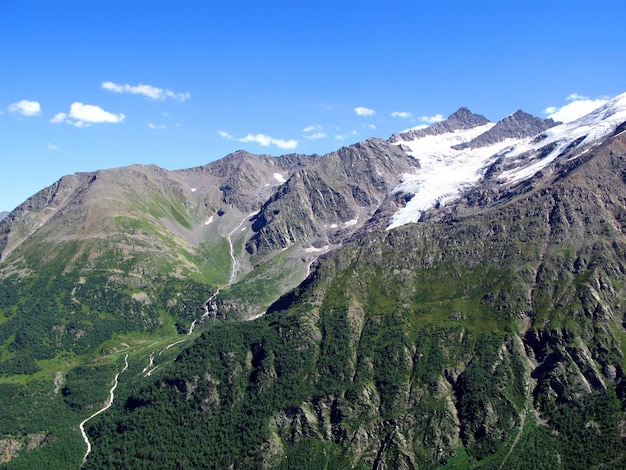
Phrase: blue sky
(87, 85)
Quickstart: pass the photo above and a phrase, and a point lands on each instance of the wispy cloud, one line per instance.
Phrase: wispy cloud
(83, 115)
(432, 119)
(25, 108)
(314, 132)
(577, 107)
(52, 146)
(316, 136)
(148, 91)
(157, 126)
(402, 114)
(226, 135)
(263, 140)
(362, 111)
(342, 137)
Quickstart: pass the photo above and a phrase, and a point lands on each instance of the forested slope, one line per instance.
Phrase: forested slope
(489, 340)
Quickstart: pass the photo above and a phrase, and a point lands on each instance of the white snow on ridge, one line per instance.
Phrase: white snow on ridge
(595, 125)
(279, 177)
(446, 172)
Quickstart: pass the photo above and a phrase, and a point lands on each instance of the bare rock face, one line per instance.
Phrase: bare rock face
(516, 126)
(463, 118)
(324, 203)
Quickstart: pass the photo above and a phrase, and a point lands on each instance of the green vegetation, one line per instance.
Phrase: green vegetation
(215, 262)
(372, 363)
(495, 341)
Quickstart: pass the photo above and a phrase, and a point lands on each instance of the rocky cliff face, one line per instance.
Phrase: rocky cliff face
(326, 202)
(489, 339)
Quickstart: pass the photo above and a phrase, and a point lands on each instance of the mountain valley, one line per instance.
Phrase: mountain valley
(451, 297)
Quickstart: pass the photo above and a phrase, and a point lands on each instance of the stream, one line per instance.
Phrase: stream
(233, 271)
(150, 367)
(106, 407)
(235, 264)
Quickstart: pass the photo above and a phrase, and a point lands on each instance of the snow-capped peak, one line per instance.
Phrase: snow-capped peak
(453, 160)
(589, 128)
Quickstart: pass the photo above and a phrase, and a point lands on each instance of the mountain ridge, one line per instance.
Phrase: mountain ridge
(448, 296)
(431, 344)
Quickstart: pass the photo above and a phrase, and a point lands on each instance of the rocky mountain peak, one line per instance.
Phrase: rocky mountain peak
(461, 119)
(515, 126)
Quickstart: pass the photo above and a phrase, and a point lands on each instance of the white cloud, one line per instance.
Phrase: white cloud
(369, 126)
(52, 146)
(362, 111)
(58, 117)
(149, 91)
(316, 136)
(156, 126)
(432, 119)
(578, 107)
(92, 113)
(401, 114)
(225, 134)
(342, 137)
(83, 115)
(416, 128)
(25, 108)
(263, 140)
(577, 97)
(315, 132)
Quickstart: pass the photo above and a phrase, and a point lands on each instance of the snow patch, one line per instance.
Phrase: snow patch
(209, 220)
(280, 177)
(193, 190)
(595, 125)
(444, 172)
(312, 249)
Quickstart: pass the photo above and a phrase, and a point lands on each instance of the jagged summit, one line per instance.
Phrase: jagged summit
(462, 119)
(501, 154)
(515, 126)
(312, 201)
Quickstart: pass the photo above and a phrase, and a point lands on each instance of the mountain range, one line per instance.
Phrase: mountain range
(451, 296)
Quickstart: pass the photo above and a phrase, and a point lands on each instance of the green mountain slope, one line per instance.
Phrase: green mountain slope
(485, 339)
(112, 261)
